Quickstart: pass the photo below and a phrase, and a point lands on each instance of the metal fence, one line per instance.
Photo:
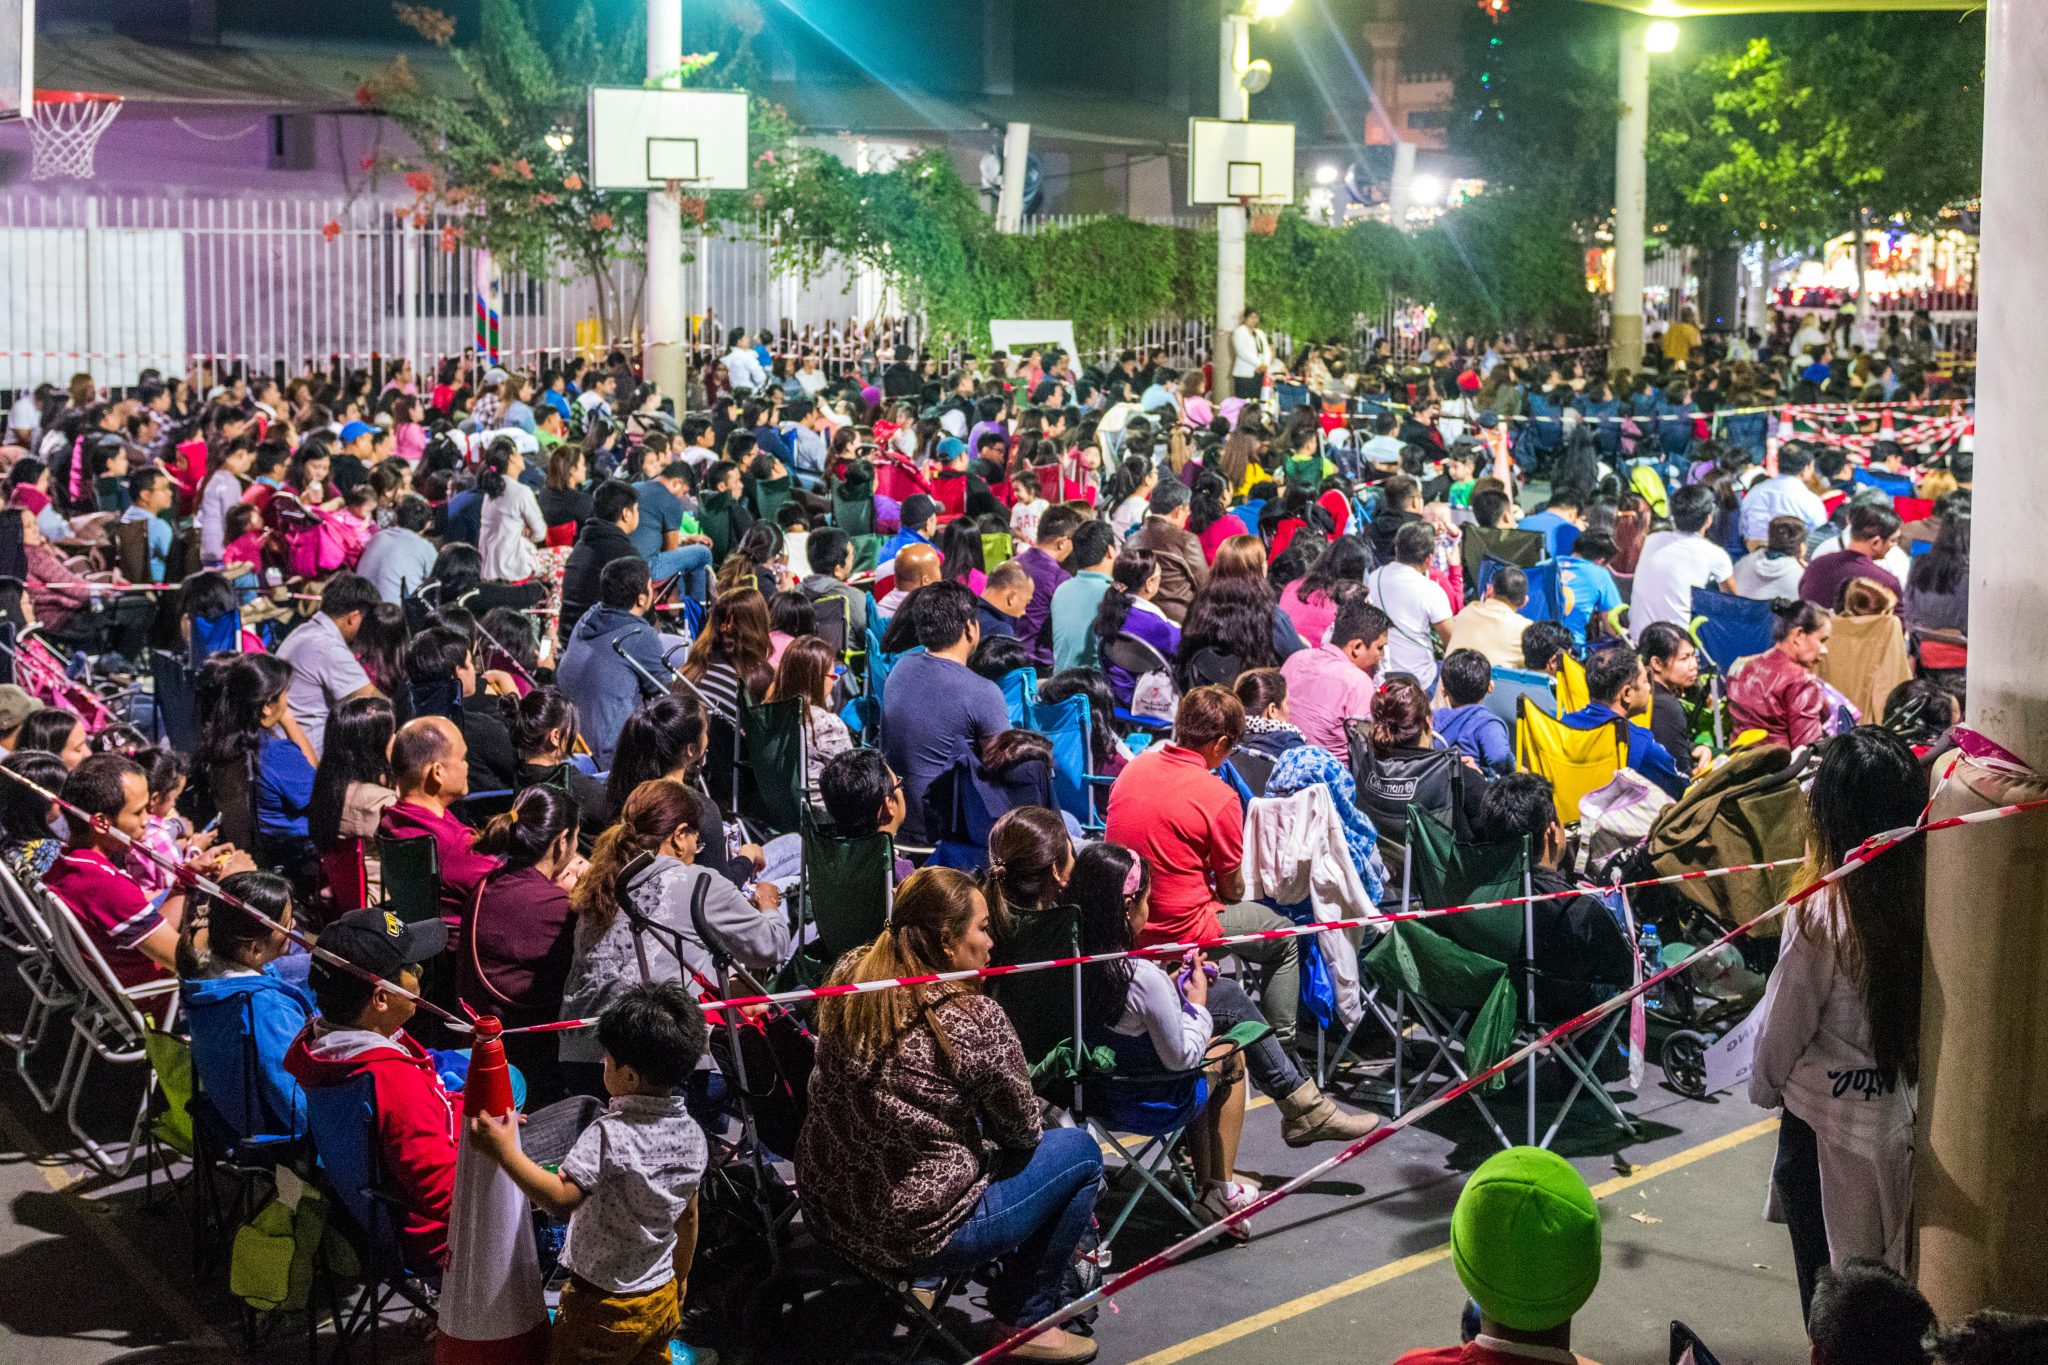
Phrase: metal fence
(113, 284)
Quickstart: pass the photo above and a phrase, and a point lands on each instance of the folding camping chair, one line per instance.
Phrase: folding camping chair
(1727, 628)
(1523, 549)
(1045, 1009)
(1136, 659)
(1573, 691)
(1069, 725)
(1510, 685)
(51, 989)
(774, 753)
(108, 1022)
(1574, 761)
(849, 891)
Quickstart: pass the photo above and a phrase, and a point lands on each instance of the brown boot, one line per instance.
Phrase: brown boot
(1309, 1116)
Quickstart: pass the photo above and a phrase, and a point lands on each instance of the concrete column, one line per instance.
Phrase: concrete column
(1016, 160)
(1231, 103)
(1631, 198)
(667, 361)
(1980, 1202)
(1401, 190)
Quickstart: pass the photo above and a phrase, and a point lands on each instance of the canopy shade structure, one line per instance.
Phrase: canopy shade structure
(1699, 9)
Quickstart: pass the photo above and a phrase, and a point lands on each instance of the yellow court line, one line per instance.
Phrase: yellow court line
(1393, 1270)
(116, 1243)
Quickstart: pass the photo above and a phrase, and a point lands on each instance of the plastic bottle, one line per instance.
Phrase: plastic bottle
(1652, 948)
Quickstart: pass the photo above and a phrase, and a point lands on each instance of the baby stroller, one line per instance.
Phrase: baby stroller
(1748, 810)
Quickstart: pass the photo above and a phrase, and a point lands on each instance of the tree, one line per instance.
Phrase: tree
(508, 152)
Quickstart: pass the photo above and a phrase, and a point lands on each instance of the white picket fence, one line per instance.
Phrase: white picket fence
(113, 284)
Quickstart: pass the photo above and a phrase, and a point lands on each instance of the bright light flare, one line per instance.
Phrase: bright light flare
(1661, 37)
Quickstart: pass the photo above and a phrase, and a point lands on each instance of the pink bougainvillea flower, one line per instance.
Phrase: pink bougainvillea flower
(524, 167)
(601, 221)
(693, 208)
(451, 237)
(572, 181)
(330, 229)
(759, 200)
(766, 158)
(545, 199)
(369, 162)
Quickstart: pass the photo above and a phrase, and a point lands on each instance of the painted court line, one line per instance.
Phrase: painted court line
(1394, 1270)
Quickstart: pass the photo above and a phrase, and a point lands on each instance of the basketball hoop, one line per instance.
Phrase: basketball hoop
(64, 127)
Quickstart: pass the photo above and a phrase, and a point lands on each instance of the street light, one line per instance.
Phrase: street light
(1239, 77)
(1326, 174)
(1661, 37)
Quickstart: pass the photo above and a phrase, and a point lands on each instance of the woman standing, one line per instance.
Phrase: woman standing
(1776, 691)
(1838, 1033)
(512, 523)
(924, 1150)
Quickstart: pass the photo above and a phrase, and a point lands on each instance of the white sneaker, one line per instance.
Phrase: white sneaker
(1234, 1194)
(1215, 1205)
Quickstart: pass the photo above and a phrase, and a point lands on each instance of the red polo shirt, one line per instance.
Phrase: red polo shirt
(1187, 824)
(115, 911)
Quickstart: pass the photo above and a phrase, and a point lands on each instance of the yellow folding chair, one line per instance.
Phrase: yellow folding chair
(1575, 761)
(1572, 692)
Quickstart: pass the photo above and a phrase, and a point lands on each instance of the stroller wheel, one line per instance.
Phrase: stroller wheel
(1684, 1059)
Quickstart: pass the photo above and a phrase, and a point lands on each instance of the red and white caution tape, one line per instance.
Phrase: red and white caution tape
(1164, 950)
(1871, 849)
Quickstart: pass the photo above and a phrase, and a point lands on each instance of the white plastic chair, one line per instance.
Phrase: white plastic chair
(108, 1021)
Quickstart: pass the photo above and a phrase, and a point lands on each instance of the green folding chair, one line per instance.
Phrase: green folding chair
(411, 873)
(772, 750)
(1045, 1009)
(849, 890)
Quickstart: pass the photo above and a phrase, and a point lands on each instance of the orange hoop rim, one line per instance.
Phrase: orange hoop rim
(76, 97)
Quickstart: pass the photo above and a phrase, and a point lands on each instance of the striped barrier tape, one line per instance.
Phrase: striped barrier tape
(1872, 848)
(1163, 950)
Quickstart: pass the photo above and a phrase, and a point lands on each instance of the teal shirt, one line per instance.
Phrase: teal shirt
(1074, 604)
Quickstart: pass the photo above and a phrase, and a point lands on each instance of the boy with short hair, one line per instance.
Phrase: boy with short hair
(1466, 725)
(628, 1187)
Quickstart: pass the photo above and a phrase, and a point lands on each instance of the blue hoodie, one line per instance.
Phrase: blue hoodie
(241, 1026)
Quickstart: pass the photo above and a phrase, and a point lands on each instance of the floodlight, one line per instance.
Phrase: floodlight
(1326, 174)
(1661, 36)
(1269, 9)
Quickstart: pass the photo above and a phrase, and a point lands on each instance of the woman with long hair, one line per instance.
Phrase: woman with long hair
(1236, 614)
(754, 561)
(53, 730)
(1030, 856)
(670, 737)
(545, 731)
(242, 1014)
(912, 1089)
(1210, 517)
(245, 720)
(1126, 493)
(634, 906)
(1310, 601)
(565, 501)
(960, 556)
(227, 463)
(1776, 691)
(518, 933)
(1838, 1032)
(1127, 609)
(513, 527)
(379, 646)
(729, 659)
(1673, 662)
(28, 832)
(1938, 587)
(353, 783)
(1402, 741)
(806, 674)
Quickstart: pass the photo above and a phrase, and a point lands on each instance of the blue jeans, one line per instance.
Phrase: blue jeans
(1033, 1220)
(693, 562)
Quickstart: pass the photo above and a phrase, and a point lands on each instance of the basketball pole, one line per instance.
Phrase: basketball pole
(667, 361)
(1232, 102)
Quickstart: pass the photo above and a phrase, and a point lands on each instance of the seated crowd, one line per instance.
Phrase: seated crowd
(539, 623)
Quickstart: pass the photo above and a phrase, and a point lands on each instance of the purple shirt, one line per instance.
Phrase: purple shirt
(1034, 627)
(1154, 629)
(1827, 576)
(1325, 689)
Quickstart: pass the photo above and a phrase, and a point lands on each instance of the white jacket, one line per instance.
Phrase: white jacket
(1294, 851)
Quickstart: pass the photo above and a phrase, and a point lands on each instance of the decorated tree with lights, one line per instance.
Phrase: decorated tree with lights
(507, 154)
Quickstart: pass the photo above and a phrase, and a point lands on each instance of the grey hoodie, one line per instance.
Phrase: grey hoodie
(606, 963)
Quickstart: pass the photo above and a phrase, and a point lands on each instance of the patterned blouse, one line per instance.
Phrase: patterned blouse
(896, 1152)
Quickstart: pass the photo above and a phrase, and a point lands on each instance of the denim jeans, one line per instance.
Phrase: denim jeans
(692, 561)
(1278, 961)
(1272, 1067)
(1033, 1219)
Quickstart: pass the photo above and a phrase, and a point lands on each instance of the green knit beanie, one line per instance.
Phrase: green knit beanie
(1525, 1238)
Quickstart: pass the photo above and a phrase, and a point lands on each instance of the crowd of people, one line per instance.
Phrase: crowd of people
(527, 618)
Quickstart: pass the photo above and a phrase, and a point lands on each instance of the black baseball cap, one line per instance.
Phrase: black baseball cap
(379, 942)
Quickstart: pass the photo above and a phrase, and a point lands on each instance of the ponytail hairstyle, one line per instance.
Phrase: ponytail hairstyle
(539, 714)
(232, 691)
(497, 460)
(935, 908)
(1108, 881)
(1133, 570)
(1028, 848)
(1400, 715)
(652, 813)
(1789, 614)
(669, 734)
(214, 935)
(523, 835)
(1129, 477)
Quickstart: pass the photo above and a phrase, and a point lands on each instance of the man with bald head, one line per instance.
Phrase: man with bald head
(430, 763)
(916, 565)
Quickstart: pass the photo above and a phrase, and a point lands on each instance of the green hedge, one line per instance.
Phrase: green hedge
(1501, 261)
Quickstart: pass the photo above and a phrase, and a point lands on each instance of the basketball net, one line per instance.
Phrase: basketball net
(64, 127)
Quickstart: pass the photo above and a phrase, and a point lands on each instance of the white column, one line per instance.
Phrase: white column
(667, 361)
(1979, 1200)
(409, 294)
(1632, 133)
(1016, 158)
(1231, 103)
(1401, 192)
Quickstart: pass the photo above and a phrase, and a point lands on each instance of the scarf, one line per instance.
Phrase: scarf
(1305, 766)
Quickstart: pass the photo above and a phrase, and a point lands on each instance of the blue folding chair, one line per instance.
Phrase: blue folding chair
(1020, 694)
(342, 1120)
(1727, 627)
(1068, 725)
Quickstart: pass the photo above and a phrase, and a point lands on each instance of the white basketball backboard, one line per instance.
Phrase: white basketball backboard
(643, 139)
(17, 57)
(1229, 162)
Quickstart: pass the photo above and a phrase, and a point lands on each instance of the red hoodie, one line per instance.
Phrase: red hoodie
(416, 1123)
